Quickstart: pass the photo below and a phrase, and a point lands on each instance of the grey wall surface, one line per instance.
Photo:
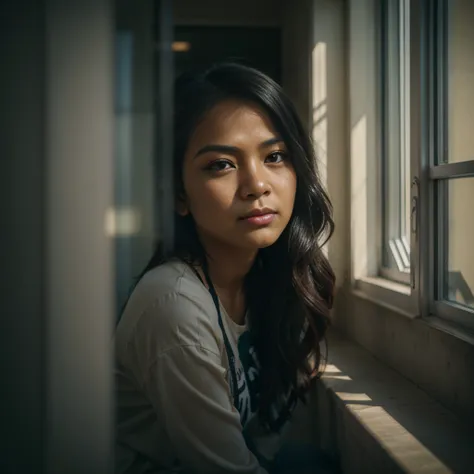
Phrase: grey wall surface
(21, 243)
(79, 293)
(56, 148)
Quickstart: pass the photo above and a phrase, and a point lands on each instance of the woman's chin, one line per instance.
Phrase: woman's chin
(260, 239)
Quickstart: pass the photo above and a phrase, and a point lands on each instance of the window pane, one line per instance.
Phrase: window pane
(459, 275)
(133, 220)
(460, 74)
(396, 139)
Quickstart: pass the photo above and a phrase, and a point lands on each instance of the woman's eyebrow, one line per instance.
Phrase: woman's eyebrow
(233, 150)
(270, 142)
(225, 149)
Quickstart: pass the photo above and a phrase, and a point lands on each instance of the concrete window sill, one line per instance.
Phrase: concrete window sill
(394, 296)
(379, 422)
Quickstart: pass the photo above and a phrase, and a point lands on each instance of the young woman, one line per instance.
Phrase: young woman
(220, 339)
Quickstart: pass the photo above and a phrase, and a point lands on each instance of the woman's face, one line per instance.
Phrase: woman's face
(239, 182)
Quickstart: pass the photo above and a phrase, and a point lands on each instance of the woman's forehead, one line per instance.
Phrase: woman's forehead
(233, 120)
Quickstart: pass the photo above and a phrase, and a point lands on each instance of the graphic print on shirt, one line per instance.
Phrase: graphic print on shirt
(247, 375)
(247, 378)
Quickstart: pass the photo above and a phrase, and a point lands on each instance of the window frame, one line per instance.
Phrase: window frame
(429, 178)
(440, 172)
(385, 98)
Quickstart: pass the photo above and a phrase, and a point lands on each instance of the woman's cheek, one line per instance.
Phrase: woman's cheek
(220, 194)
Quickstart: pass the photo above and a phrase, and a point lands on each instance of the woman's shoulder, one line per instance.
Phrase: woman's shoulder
(169, 307)
(158, 284)
(173, 276)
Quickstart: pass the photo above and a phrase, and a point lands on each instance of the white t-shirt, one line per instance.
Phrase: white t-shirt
(173, 396)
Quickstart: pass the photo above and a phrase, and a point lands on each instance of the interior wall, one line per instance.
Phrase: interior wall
(79, 130)
(56, 185)
(362, 165)
(21, 251)
(297, 28)
(329, 120)
(227, 12)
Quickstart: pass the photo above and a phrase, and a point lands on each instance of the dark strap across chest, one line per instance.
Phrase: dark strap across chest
(227, 345)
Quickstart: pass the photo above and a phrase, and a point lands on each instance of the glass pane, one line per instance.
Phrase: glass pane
(396, 137)
(459, 275)
(460, 74)
(132, 220)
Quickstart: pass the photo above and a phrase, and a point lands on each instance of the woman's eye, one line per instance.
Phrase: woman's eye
(219, 165)
(276, 157)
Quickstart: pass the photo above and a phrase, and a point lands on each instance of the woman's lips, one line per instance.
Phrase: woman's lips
(260, 220)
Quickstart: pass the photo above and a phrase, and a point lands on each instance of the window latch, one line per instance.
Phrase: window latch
(414, 216)
(414, 207)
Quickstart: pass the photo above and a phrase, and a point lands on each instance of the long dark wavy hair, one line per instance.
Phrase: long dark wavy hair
(289, 322)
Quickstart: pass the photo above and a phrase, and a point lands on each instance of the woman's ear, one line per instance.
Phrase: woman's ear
(182, 206)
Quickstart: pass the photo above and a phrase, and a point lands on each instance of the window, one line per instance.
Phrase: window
(395, 140)
(426, 154)
(451, 173)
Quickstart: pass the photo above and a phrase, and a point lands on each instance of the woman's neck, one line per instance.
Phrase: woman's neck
(228, 267)
(227, 270)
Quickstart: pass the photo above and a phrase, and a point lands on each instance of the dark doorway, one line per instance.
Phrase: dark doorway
(259, 47)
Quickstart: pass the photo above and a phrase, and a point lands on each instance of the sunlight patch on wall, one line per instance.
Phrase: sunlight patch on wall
(319, 92)
(359, 203)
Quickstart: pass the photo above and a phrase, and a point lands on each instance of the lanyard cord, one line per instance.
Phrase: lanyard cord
(228, 347)
(230, 355)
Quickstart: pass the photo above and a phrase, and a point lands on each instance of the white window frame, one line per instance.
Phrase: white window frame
(422, 295)
(438, 173)
(387, 287)
(393, 220)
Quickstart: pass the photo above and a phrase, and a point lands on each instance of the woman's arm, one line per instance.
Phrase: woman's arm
(186, 383)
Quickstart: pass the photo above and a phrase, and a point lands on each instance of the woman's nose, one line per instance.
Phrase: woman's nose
(254, 182)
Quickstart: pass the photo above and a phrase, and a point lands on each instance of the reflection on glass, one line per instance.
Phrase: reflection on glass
(396, 138)
(459, 280)
(460, 81)
(131, 221)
